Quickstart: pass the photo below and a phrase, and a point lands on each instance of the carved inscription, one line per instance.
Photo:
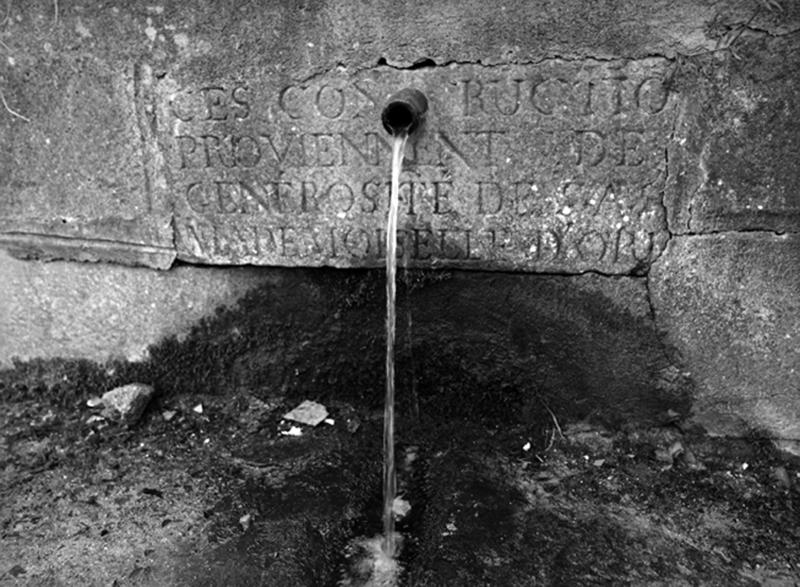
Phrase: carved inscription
(554, 167)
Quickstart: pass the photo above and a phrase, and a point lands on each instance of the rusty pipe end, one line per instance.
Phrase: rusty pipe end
(404, 112)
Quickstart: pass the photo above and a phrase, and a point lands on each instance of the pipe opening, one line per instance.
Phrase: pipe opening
(404, 112)
(398, 117)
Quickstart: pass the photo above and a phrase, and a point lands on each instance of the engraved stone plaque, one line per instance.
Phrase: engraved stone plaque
(554, 167)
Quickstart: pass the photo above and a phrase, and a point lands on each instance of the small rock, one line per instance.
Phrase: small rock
(168, 415)
(245, 521)
(127, 402)
(781, 477)
(526, 447)
(353, 424)
(94, 402)
(309, 413)
(198, 409)
(330, 421)
(293, 431)
(400, 507)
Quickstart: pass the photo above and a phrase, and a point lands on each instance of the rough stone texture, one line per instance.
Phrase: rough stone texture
(90, 150)
(558, 166)
(734, 159)
(100, 312)
(73, 182)
(731, 304)
(127, 402)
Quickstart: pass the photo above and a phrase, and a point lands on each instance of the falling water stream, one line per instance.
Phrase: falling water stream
(389, 475)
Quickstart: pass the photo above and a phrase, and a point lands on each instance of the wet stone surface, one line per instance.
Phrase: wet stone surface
(222, 497)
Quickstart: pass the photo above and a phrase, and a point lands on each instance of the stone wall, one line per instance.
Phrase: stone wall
(635, 161)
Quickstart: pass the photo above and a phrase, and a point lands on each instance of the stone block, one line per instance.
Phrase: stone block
(733, 161)
(74, 182)
(103, 311)
(730, 303)
(237, 119)
(556, 167)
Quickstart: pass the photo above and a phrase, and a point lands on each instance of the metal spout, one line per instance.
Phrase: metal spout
(404, 112)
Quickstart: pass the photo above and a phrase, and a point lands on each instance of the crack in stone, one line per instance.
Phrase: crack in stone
(663, 200)
(427, 63)
(144, 134)
(766, 32)
(743, 231)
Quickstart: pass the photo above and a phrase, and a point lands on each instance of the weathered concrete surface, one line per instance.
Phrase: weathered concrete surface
(100, 311)
(731, 304)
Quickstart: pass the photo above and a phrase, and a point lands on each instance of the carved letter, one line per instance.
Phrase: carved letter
(246, 151)
(651, 95)
(216, 102)
(286, 101)
(308, 191)
(473, 103)
(186, 146)
(239, 95)
(330, 102)
(442, 190)
(591, 147)
(340, 196)
(514, 100)
(327, 154)
(632, 143)
(490, 197)
(356, 241)
(545, 95)
(422, 238)
(212, 145)
(197, 197)
(591, 246)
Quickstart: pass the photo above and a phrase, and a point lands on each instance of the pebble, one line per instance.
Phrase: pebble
(781, 477)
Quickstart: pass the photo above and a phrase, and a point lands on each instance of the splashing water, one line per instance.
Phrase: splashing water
(389, 475)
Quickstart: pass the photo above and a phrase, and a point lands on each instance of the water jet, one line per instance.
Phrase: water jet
(402, 115)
